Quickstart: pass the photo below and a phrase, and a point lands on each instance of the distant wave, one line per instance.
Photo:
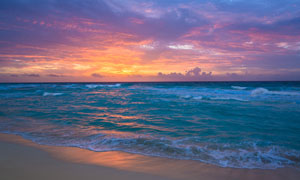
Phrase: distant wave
(102, 85)
(186, 96)
(260, 91)
(51, 94)
(238, 87)
(198, 97)
(17, 86)
(213, 98)
(228, 98)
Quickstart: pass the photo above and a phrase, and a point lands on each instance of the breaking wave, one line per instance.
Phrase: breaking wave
(261, 91)
(102, 85)
(243, 155)
(52, 94)
(238, 87)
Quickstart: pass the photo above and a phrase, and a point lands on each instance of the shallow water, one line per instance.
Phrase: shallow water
(229, 124)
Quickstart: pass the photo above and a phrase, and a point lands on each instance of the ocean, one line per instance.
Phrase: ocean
(228, 124)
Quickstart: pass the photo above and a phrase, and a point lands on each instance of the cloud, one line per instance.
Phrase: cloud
(190, 75)
(55, 75)
(20, 75)
(184, 47)
(13, 75)
(275, 63)
(31, 75)
(196, 74)
(76, 38)
(96, 75)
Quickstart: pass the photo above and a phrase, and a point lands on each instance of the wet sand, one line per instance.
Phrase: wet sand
(23, 159)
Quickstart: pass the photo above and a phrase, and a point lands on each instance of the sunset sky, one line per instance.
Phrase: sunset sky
(149, 40)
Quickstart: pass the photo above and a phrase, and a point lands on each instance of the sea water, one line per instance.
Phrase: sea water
(228, 124)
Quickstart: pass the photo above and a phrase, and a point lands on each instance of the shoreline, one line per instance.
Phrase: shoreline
(16, 152)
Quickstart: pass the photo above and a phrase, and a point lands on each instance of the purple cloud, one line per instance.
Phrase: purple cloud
(225, 36)
(96, 75)
(190, 75)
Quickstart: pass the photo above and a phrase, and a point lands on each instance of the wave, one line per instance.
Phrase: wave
(213, 98)
(245, 155)
(51, 94)
(261, 91)
(102, 85)
(198, 97)
(238, 87)
(228, 98)
(18, 86)
(186, 96)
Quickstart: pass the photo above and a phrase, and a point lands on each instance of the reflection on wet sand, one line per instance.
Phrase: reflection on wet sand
(177, 169)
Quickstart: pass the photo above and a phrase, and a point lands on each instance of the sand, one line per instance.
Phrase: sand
(23, 159)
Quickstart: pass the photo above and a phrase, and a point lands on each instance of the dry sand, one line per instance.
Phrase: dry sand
(23, 159)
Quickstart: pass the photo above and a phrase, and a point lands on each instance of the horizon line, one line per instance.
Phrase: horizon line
(81, 82)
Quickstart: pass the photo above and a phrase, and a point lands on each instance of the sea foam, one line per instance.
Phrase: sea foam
(249, 155)
(51, 94)
(198, 97)
(228, 98)
(238, 87)
(261, 91)
(102, 85)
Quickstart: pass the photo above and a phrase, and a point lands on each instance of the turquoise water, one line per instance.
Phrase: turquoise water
(229, 124)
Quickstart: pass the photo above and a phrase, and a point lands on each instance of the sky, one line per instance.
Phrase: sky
(149, 40)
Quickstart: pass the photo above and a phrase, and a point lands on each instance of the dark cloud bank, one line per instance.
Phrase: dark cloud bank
(196, 74)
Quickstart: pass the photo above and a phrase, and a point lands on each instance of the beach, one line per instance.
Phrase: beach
(23, 159)
(142, 90)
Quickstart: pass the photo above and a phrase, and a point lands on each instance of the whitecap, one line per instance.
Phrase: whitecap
(92, 85)
(259, 91)
(51, 94)
(186, 96)
(228, 98)
(197, 97)
(102, 85)
(286, 93)
(238, 87)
